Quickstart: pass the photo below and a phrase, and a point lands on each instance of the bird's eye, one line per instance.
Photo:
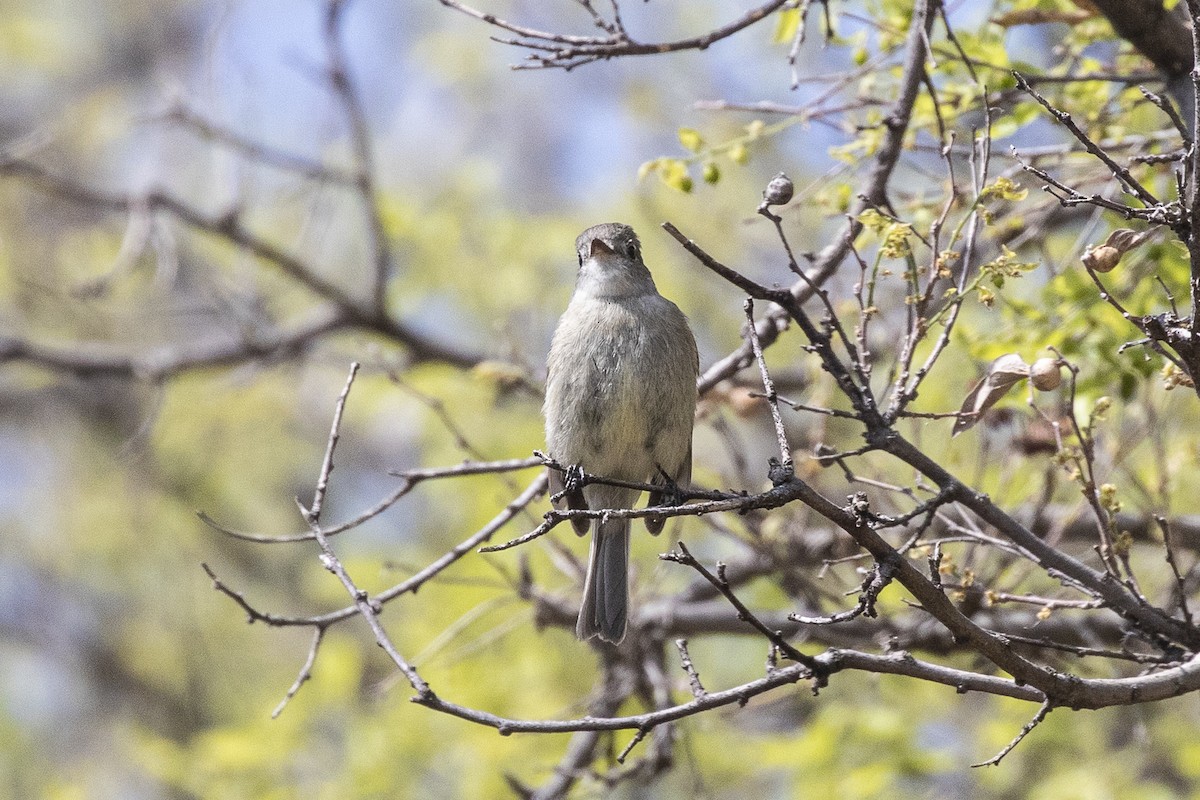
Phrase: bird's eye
(631, 249)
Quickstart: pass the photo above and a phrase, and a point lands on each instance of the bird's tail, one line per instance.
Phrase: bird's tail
(606, 588)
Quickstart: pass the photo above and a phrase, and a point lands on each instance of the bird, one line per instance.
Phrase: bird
(620, 403)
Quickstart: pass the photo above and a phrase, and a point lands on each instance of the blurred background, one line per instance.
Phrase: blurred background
(123, 674)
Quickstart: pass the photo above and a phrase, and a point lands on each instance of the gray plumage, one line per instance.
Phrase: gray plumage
(620, 399)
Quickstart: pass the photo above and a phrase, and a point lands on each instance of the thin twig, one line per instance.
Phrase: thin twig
(1122, 174)
(411, 479)
(565, 51)
(305, 671)
(745, 614)
(685, 661)
(312, 514)
(362, 601)
(1025, 731)
(1180, 584)
(786, 464)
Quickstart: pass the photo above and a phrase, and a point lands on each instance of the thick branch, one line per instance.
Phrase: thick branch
(1160, 35)
(1113, 593)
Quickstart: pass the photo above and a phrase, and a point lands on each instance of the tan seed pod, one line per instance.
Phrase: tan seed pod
(1101, 259)
(1045, 374)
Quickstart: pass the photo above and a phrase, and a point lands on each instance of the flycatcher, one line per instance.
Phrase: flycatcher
(620, 400)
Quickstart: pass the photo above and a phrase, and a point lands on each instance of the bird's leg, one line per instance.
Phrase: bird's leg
(573, 479)
(670, 494)
(573, 482)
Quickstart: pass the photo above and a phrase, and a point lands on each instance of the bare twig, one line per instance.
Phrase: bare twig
(1025, 731)
(685, 661)
(1131, 184)
(364, 172)
(312, 514)
(411, 479)
(1180, 585)
(411, 584)
(786, 466)
(745, 614)
(565, 51)
(362, 601)
(305, 671)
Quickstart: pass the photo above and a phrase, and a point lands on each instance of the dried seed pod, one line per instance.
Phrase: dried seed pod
(1105, 257)
(1126, 239)
(779, 191)
(1005, 372)
(1101, 259)
(1045, 374)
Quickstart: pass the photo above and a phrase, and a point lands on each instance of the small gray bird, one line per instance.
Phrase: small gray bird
(620, 400)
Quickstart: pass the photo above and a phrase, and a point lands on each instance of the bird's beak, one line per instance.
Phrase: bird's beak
(598, 246)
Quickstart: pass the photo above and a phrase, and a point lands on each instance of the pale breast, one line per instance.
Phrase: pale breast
(621, 389)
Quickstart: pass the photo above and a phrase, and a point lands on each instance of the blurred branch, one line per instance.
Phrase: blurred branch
(87, 359)
(1161, 35)
(227, 225)
(364, 161)
(346, 311)
(180, 114)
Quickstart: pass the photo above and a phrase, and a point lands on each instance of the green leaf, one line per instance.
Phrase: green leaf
(691, 139)
(787, 22)
(674, 173)
(1004, 188)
